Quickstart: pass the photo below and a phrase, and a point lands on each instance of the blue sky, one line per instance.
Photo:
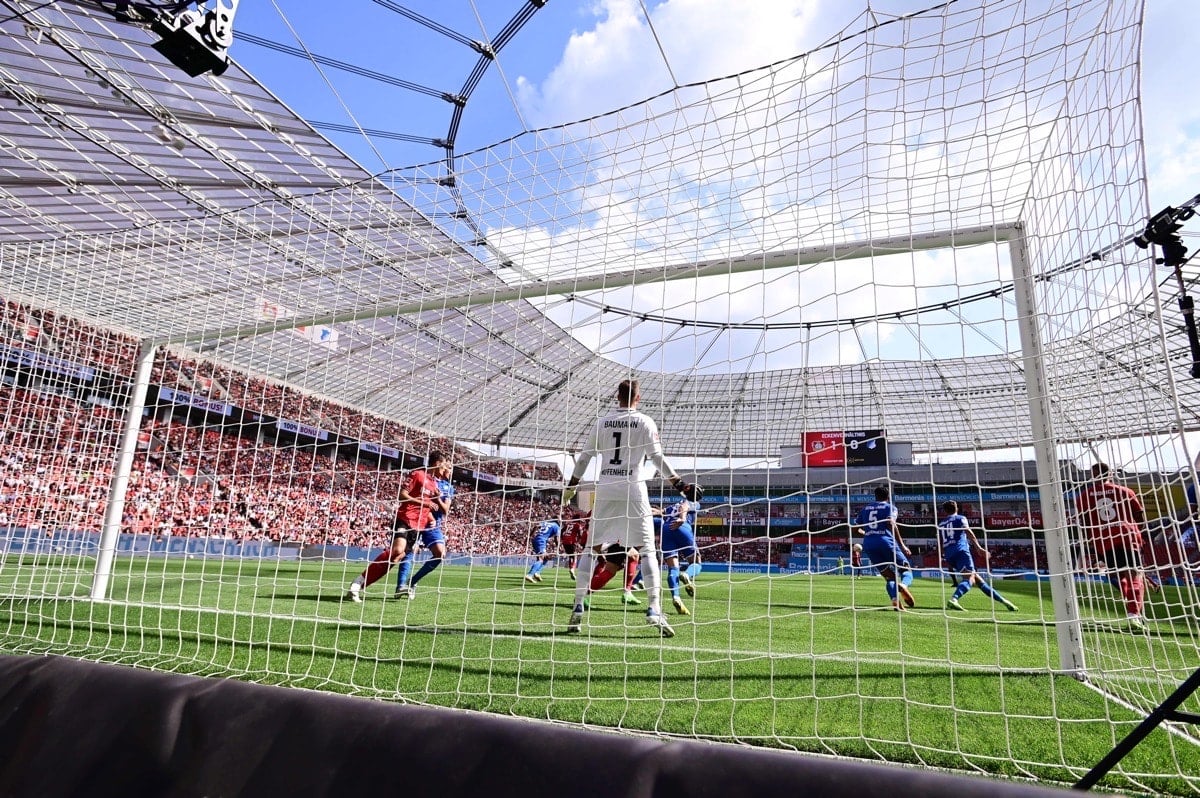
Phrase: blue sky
(576, 58)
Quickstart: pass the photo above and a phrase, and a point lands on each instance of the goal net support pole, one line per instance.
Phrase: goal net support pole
(127, 447)
(1054, 522)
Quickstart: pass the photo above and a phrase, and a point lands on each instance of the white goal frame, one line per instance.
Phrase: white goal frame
(1067, 621)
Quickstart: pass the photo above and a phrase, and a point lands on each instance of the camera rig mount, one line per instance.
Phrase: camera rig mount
(1163, 232)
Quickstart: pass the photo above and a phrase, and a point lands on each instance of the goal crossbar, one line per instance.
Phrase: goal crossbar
(755, 262)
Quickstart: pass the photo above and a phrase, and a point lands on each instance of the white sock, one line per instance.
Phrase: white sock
(583, 576)
(653, 578)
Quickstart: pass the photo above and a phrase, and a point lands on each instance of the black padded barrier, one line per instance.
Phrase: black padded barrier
(77, 728)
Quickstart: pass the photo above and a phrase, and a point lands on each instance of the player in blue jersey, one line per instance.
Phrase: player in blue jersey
(956, 542)
(679, 540)
(433, 538)
(546, 532)
(885, 548)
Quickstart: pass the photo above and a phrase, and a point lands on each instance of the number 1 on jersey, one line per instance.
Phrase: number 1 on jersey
(616, 458)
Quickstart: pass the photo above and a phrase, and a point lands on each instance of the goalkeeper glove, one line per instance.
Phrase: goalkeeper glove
(691, 491)
(567, 495)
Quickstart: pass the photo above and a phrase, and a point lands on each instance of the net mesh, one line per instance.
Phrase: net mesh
(829, 243)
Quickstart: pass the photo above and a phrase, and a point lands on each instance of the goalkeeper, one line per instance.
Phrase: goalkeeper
(621, 441)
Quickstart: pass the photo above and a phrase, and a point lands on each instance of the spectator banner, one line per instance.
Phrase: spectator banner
(296, 428)
(23, 357)
(845, 448)
(383, 451)
(866, 498)
(709, 520)
(191, 400)
(319, 334)
(748, 499)
(324, 552)
(1012, 520)
(37, 541)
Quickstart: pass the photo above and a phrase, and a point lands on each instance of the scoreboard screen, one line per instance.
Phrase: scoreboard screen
(845, 448)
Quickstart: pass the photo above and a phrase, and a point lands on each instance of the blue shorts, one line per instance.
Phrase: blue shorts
(540, 543)
(431, 536)
(883, 552)
(679, 542)
(960, 562)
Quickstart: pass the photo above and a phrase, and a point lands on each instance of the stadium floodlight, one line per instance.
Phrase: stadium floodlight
(197, 41)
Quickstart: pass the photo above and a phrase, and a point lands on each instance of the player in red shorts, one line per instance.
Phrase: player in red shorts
(1111, 518)
(613, 560)
(420, 497)
(572, 539)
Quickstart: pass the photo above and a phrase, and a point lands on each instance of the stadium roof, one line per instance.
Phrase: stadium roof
(205, 214)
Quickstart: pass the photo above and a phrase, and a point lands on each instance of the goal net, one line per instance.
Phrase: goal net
(900, 259)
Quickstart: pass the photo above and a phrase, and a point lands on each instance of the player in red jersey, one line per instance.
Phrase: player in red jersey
(1111, 518)
(420, 497)
(572, 538)
(856, 560)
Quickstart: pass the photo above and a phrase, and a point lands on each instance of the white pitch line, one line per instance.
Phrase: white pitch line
(562, 638)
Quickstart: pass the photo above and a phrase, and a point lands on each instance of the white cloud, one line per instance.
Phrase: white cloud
(1171, 116)
(618, 62)
(778, 160)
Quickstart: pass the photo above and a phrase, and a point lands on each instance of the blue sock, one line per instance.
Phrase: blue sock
(906, 578)
(962, 589)
(537, 567)
(405, 569)
(990, 592)
(891, 589)
(429, 567)
(693, 570)
(673, 580)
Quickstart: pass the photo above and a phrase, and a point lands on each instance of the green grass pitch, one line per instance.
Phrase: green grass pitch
(812, 663)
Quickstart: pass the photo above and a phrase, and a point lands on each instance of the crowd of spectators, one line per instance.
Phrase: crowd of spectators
(1017, 557)
(53, 334)
(521, 469)
(57, 453)
(68, 339)
(56, 458)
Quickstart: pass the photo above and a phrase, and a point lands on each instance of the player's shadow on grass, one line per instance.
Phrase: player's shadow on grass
(328, 597)
(1120, 626)
(460, 630)
(544, 603)
(320, 598)
(804, 607)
